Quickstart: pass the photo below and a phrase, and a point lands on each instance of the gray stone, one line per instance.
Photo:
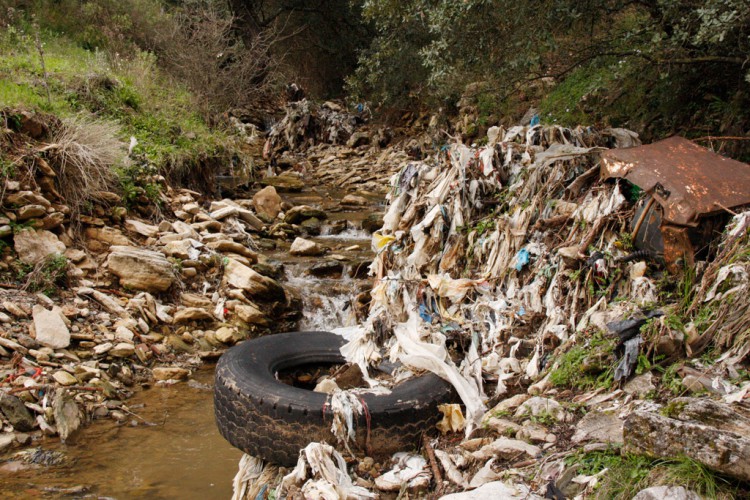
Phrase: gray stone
(141, 228)
(354, 200)
(33, 246)
(535, 433)
(640, 385)
(227, 335)
(537, 406)
(15, 309)
(16, 413)
(53, 220)
(250, 314)
(50, 328)
(67, 416)
(666, 493)
(496, 490)
(502, 426)
(234, 247)
(312, 227)
(372, 222)
(6, 440)
(27, 198)
(141, 269)
(303, 247)
(506, 448)
(712, 433)
(598, 426)
(64, 378)
(192, 314)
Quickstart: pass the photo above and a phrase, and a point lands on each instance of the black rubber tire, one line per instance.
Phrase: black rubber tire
(269, 419)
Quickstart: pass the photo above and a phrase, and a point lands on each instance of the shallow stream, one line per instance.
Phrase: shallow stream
(169, 447)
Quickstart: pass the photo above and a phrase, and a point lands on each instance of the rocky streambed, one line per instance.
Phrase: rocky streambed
(111, 322)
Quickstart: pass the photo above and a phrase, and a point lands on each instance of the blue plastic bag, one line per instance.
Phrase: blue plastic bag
(522, 258)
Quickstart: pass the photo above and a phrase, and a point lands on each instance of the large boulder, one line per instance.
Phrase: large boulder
(51, 330)
(712, 433)
(267, 203)
(33, 246)
(141, 269)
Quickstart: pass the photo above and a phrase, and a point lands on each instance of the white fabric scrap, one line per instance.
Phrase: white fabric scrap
(250, 469)
(345, 405)
(433, 357)
(328, 473)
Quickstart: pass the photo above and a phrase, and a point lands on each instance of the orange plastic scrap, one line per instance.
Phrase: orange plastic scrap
(687, 180)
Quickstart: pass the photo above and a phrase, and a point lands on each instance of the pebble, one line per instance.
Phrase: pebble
(64, 378)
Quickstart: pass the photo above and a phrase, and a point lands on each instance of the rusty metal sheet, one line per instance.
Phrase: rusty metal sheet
(687, 180)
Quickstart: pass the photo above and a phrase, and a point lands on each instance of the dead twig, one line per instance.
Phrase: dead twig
(45, 387)
(433, 463)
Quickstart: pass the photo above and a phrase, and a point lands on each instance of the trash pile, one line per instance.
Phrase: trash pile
(307, 123)
(510, 271)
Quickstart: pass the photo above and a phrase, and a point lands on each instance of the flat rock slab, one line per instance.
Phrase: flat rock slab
(600, 427)
(51, 330)
(284, 183)
(141, 228)
(708, 432)
(141, 269)
(506, 448)
(192, 314)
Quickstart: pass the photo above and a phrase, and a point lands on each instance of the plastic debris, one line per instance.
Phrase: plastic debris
(344, 405)
(328, 478)
(522, 258)
(427, 231)
(496, 489)
(453, 419)
(247, 482)
(630, 359)
(409, 471)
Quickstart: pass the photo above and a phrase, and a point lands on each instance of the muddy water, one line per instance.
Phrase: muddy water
(169, 447)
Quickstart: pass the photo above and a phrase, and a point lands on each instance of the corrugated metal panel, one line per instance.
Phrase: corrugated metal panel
(687, 180)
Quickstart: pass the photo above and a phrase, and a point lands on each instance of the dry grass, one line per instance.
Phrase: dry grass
(223, 70)
(83, 154)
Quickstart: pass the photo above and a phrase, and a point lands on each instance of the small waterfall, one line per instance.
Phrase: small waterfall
(326, 302)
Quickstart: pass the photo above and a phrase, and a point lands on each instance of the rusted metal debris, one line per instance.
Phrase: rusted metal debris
(691, 186)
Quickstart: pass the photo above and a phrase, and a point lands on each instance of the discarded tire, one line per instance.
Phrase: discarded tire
(269, 419)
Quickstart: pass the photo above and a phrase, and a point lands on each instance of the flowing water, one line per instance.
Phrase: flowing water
(169, 447)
